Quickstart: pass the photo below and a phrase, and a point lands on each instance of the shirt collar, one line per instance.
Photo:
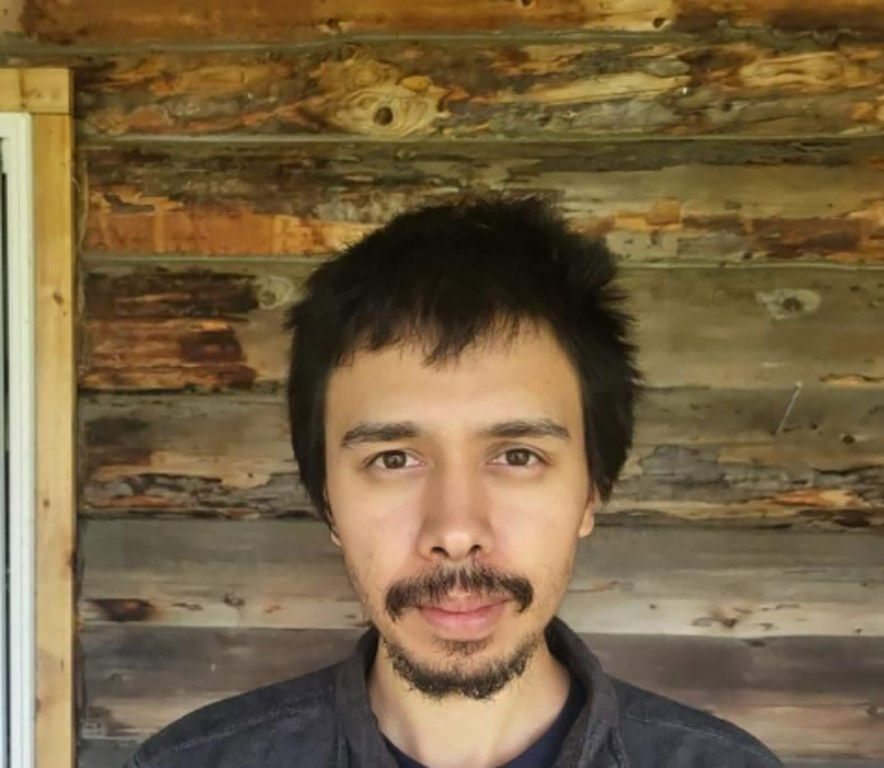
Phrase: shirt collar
(583, 746)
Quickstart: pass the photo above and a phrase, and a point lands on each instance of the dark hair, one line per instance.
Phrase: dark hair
(448, 276)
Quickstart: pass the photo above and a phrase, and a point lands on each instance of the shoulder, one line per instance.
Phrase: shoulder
(257, 728)
(662, 732)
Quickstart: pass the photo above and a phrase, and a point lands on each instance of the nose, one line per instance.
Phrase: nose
(455, 525)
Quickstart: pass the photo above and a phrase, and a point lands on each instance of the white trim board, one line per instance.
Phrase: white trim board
(18, 167)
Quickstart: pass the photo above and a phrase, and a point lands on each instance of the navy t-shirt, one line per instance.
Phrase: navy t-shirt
(542, 753)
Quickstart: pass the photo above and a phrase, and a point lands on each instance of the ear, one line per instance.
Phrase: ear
(330, 519)
(587, 522)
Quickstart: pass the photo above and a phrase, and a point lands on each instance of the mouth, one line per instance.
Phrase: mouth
(464, 619)
(464, 605)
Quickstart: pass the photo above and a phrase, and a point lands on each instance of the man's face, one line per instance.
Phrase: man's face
(458, 493)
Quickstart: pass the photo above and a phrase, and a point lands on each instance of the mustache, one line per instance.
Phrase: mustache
(476, 580)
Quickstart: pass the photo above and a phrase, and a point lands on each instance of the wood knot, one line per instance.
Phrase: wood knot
(384, 116)
(786, 303)
(273, 291)
(362, 95)
(124, 610)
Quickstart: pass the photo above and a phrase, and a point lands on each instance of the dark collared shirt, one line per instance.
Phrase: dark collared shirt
(324, 720)
(542, 753)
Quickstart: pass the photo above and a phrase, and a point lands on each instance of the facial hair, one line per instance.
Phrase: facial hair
(439, 683)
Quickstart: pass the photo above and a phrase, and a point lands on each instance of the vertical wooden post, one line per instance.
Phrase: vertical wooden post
(55, 415)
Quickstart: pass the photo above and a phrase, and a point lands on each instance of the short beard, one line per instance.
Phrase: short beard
(481, 685)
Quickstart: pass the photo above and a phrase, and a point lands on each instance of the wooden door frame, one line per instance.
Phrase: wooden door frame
(45, 95)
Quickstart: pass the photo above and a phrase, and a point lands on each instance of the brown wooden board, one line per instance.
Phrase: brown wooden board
(288, 574)
(653, 201)
(216, 327)
(90, 22)
(486, 89)
(699, 455)
(804, 696)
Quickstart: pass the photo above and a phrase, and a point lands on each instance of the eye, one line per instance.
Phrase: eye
(520, 457)
(390, 460)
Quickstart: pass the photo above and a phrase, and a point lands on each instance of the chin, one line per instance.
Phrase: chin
(474, 668)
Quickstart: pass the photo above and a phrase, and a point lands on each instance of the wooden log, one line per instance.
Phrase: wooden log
(218, 327)
(645, 581)
(653, 201)
(701, 455)
(804, 696)
(489, 89)
(92, 22)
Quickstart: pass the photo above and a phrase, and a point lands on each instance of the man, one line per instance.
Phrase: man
(461, 398)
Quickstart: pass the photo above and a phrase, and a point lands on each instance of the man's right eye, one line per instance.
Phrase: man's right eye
(390, 460)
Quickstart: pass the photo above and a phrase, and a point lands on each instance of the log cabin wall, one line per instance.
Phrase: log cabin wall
(731, 153)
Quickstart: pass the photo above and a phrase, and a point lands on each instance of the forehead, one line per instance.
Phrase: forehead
(528, 375)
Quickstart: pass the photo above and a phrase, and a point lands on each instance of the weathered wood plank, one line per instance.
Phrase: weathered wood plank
(10, 19)
(699, 454)
(804, 696)
(112, 753)
(54, 403)
(218, 327)
(288, 574)
(653, 201)
(508, 89)
(171, 328)
(39, 91)
(94, 22)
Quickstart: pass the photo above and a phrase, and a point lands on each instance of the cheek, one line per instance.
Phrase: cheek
(545, 516)
(377, 539)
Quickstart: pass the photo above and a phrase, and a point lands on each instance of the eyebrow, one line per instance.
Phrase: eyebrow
(391, 431)
(528, 428)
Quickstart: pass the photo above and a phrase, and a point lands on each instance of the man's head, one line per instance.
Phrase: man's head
(461, 395)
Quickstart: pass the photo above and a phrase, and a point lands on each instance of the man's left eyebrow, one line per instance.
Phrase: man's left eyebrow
(527, 428)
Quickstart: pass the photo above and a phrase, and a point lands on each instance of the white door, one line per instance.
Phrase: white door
(4, 499)
(17, 427)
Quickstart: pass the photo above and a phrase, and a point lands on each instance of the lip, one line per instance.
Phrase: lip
(464, 619)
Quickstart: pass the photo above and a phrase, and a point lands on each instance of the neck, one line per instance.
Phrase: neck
(463, 732)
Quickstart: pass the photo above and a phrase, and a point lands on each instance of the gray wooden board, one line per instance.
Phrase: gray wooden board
(804, 696)
(288, 574)
(654, 201)
(491, 88)
(219, 326)
(112, 753)
(700, 455)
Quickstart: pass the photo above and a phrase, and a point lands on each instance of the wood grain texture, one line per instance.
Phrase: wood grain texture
(39, 91)
(95, 22)
(699, 455)
(497, 90)
(804, 696)
(218, 327)
(288, 575)
(653, 201)
(10, 18)
(55, 408)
